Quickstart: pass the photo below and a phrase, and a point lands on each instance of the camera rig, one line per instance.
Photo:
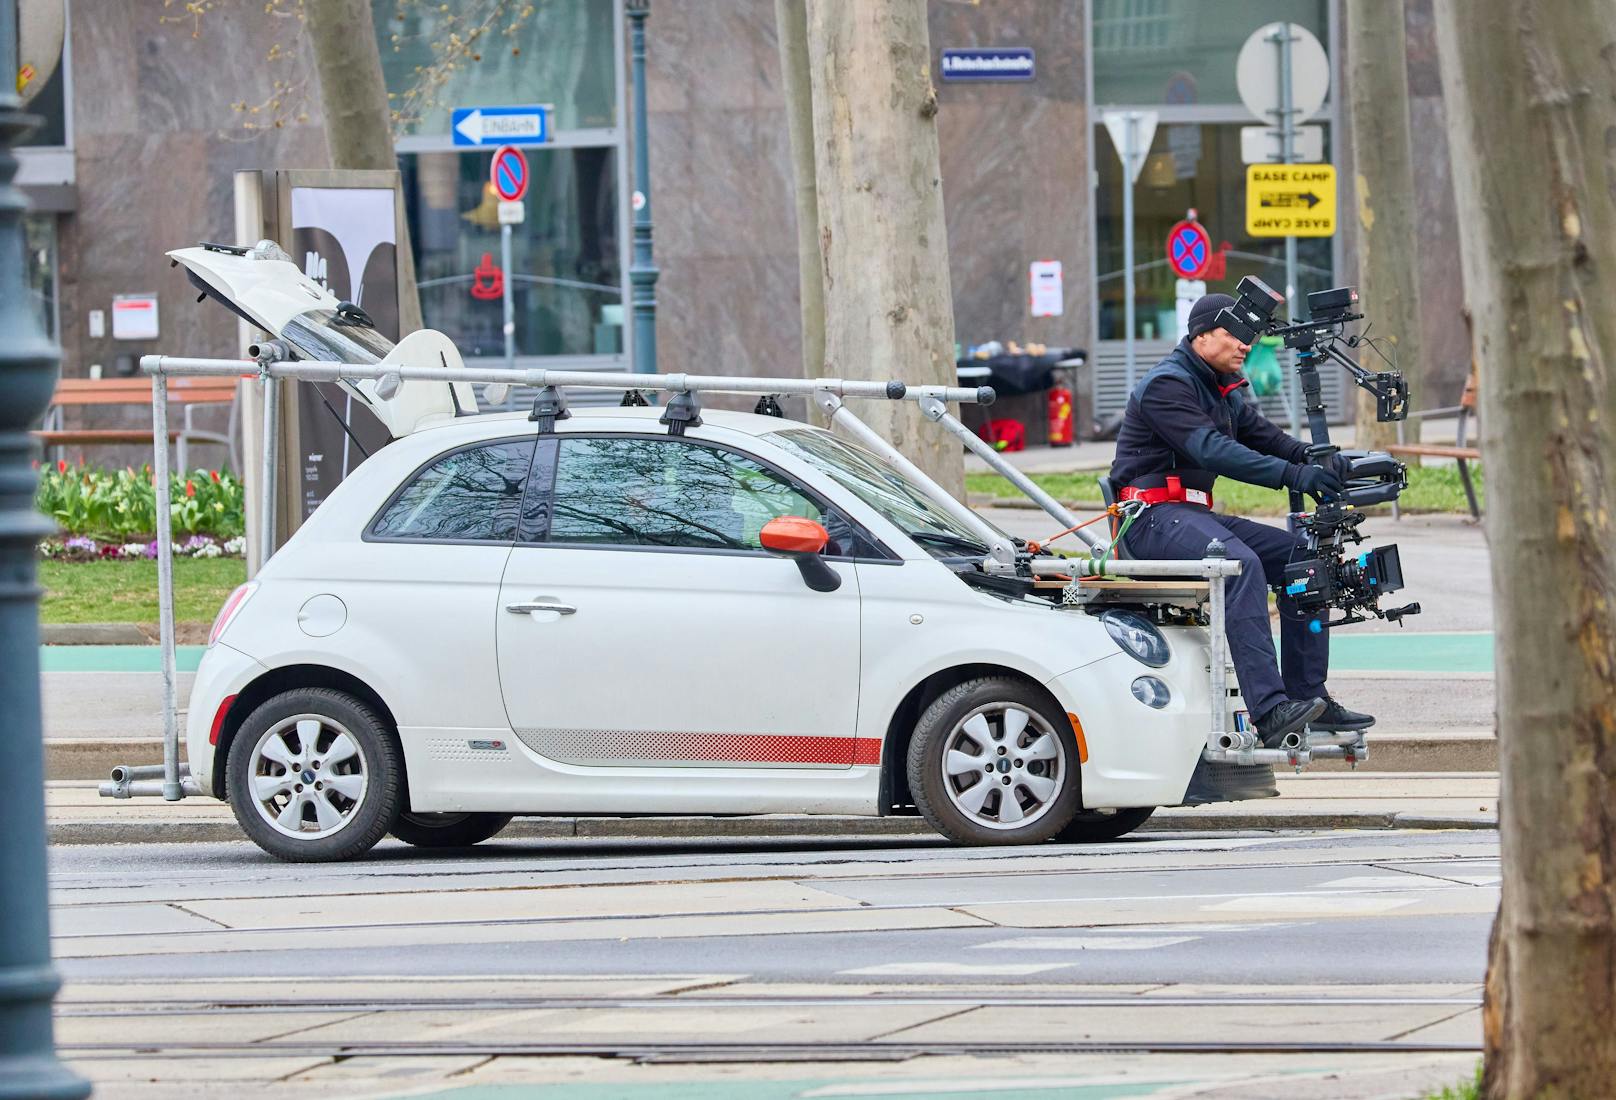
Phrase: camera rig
(1332, 574)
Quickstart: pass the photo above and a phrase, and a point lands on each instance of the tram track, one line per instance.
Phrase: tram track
(92, 1009)
(806, 876)
(757, 1051)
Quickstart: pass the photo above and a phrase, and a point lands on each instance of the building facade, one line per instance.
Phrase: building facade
(152, 111)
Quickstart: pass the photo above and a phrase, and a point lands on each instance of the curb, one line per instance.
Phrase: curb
(206, 832)
(94, 758)
(92, 634)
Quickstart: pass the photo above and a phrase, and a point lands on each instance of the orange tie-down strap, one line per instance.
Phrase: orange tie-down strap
(1114, 511)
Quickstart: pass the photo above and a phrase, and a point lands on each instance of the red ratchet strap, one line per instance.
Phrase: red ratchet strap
(1173, 492)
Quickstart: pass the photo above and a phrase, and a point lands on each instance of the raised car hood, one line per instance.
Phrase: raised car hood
(271, 293)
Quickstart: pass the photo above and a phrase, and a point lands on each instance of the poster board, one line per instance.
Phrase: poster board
(347, 230)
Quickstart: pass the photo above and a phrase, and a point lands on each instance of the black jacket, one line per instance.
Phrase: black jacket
(1184, 415)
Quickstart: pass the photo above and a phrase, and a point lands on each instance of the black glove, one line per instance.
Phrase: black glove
(1317, 481)
(1342, 465)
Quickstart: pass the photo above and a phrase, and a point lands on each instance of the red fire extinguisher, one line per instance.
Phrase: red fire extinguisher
(1060, 415)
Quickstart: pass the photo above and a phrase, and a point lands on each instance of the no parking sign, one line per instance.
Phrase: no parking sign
(1189, 249)
(508, 173)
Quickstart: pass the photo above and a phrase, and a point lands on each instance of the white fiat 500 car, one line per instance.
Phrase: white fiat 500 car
(491, 617)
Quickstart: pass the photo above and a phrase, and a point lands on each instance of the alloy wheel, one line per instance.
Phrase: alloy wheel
(308, 776)
(1003, 767)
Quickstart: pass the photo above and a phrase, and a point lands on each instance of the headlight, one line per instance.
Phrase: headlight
(1151, 692)
(1138, 637)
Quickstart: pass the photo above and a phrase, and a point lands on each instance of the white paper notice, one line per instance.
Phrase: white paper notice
(1188, 292)
(1048, 290)
(134, 317)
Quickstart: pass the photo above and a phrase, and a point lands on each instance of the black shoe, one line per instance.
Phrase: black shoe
(1291, 716)
(1338, 719)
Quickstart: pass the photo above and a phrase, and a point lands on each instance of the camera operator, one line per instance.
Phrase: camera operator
(1188, 422)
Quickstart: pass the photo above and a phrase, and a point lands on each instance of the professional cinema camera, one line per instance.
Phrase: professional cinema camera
(1331, 574)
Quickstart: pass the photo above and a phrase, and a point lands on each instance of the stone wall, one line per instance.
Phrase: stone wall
(156, 144)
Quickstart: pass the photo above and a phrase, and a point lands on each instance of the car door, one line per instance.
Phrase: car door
(423, 587)
(642, 623)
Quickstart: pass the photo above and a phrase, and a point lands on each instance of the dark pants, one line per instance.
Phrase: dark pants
(1182, 531)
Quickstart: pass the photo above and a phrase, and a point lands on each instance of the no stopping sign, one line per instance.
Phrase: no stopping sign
(1189, 249)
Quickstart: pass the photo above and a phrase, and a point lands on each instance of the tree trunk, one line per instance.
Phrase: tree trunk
(1530, 91)
(791, 17)
(358, 120)
(883, 245)
(1386, 244)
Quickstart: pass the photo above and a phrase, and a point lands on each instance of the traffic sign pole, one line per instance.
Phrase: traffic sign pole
(510, 306)
(508, 172)
(1287, 154)
(1131, 133)
(1127, 249)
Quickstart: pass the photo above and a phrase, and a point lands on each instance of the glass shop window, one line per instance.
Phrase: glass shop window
(567, 276)
(1190, 166)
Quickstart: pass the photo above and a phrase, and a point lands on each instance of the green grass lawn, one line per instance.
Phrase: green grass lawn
(126, 591)
(1465, 1090)
(1430, 489)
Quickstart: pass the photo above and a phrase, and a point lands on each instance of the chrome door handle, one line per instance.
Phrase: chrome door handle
(529, 608)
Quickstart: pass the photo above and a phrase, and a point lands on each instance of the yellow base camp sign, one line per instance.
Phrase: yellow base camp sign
(1290, 200)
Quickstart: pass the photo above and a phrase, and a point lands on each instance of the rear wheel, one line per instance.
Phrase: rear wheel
(1098, 826)
(314, 775)
(991, 763)
(448, 830)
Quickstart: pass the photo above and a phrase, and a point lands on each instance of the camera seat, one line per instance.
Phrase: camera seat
(1108, 493)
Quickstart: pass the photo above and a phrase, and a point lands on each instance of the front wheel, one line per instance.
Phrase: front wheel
(1099, 826)
(448, 830)
(314, 775)
(992, 762)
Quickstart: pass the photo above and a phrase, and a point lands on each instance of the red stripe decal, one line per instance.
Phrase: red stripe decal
(697, 747)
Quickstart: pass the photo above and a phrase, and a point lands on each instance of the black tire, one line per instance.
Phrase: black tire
(447, 830)
(1099, 826)
(278, 728)
(944, 798)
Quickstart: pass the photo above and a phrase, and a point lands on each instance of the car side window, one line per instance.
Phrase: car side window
(470, 495)
(628, 491)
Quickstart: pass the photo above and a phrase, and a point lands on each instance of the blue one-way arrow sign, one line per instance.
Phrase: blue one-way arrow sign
(526, 125)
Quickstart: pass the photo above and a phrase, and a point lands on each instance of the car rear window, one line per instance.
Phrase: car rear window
(470, 495)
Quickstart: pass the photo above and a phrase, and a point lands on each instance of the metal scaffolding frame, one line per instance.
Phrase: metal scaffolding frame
(171, 779)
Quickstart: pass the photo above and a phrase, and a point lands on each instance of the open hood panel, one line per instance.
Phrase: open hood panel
(266, 288)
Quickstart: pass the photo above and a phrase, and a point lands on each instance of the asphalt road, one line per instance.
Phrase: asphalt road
(1326, 964)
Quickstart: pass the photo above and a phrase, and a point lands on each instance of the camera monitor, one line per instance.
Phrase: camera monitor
(1255, 302)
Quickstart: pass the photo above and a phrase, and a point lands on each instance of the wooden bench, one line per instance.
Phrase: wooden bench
(190, 393)
(1459, 451)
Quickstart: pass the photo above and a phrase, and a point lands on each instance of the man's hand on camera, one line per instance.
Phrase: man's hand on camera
(1317, 481)
(1342, 465)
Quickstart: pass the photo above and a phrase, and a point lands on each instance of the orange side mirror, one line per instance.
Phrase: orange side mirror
(793, 535)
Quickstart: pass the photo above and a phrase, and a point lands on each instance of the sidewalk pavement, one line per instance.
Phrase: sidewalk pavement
(76, 814)
(1089, 454)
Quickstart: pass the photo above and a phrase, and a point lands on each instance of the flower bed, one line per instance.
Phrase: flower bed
(113, 514)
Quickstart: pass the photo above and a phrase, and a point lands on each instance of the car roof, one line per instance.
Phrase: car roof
(630, 418)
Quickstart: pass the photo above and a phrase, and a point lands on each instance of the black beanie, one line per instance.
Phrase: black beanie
(1204, 313)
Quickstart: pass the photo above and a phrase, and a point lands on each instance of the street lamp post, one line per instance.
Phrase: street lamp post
(28, 367)
(642, 272)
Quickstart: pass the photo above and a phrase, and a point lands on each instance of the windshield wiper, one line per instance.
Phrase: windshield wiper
(951, 542)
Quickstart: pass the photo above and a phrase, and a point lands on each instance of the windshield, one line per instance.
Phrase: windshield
(898, 499)
(323, 335)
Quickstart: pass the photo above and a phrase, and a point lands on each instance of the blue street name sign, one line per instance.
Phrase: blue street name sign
(528, 125)
(1001, 63)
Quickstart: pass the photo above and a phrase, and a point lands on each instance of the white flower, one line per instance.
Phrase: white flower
(237, 545)
(132, 550)
(211, 550)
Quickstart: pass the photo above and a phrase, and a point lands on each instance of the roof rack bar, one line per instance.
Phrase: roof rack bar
(322, 371)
